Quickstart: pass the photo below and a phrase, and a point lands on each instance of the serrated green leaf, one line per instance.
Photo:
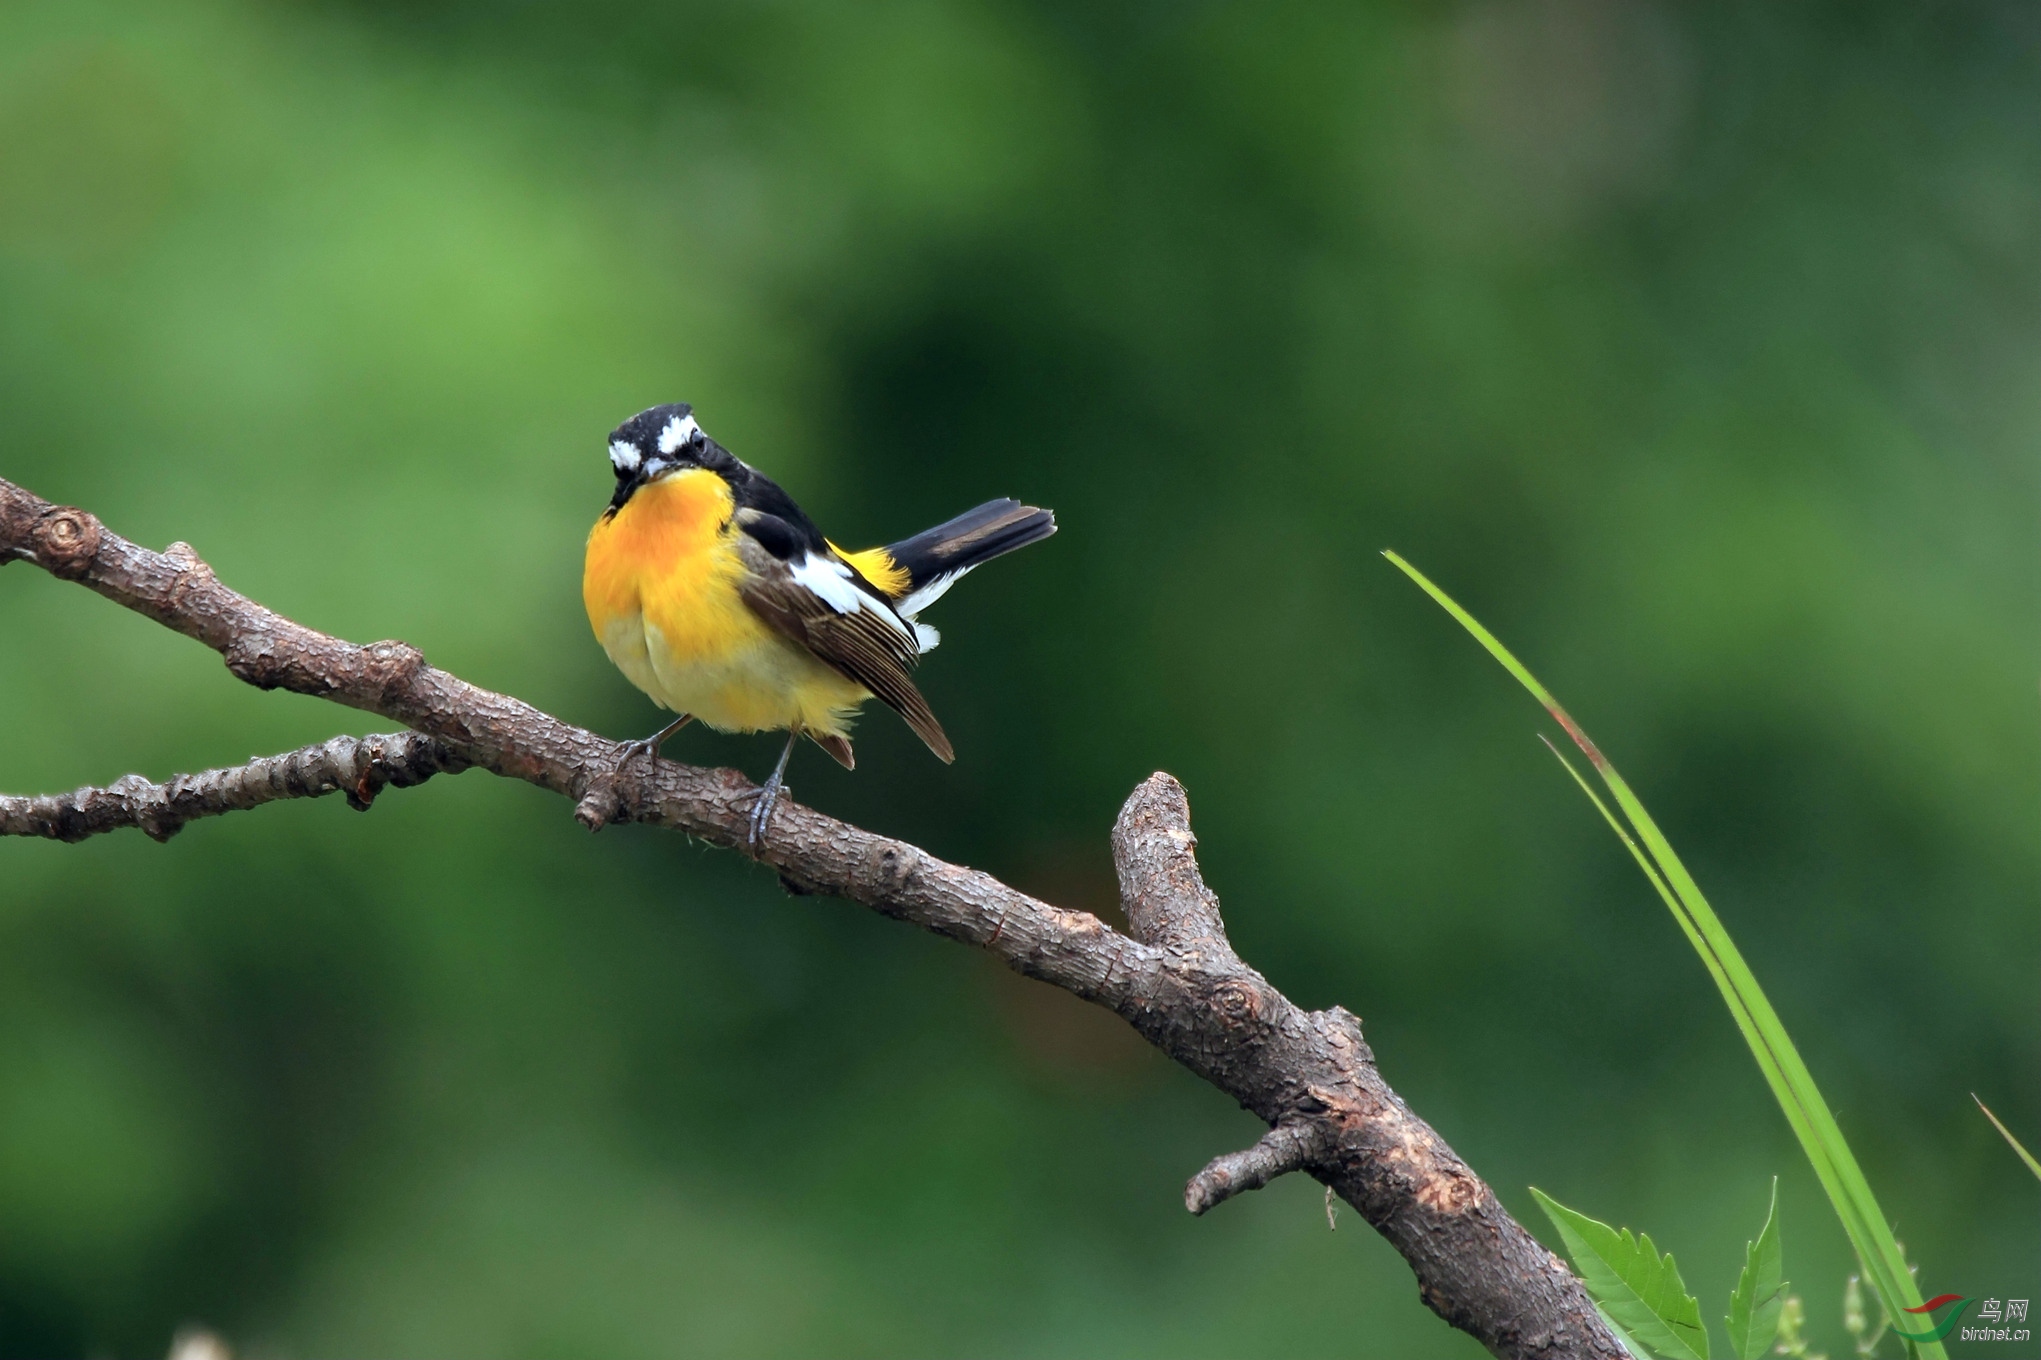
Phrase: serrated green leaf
(1636, 1286)
(1760, 1290)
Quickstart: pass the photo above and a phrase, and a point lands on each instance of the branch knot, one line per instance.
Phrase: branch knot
(895, 862)
(252, 657)
(393, 667)
(192, 573)
(601, 800)
(65, 540)
(1238, 1002)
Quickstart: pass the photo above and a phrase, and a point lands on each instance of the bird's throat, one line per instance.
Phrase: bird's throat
(669, 527)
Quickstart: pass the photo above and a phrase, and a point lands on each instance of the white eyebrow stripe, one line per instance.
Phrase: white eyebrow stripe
(624, 455)
(678, 431)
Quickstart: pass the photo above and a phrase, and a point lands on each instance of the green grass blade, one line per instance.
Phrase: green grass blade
(1780, 1062)
(1672, 903)
(2007, 1134)
(1760, 1290)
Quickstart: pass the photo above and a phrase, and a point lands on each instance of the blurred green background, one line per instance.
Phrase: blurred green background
(1694, 348)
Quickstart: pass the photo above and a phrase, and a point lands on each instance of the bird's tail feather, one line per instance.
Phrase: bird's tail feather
(934, 558)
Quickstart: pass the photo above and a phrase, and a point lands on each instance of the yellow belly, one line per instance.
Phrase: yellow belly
(660, 585)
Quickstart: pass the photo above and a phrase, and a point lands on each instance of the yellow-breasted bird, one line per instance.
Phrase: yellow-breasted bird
(717, 596)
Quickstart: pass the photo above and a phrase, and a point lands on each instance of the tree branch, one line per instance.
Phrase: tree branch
(360, 767)
(1283, 1149)
(1175, 978)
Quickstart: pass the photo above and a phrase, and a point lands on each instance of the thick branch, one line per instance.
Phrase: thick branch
(1309, 1074)
(360, 767)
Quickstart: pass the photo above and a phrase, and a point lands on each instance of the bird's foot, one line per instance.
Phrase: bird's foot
(761, 812)
(649, 746)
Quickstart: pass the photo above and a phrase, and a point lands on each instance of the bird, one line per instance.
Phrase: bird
(715, 594)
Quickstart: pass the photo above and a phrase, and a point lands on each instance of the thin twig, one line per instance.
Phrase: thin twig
(360, 767)
(1283, 1149)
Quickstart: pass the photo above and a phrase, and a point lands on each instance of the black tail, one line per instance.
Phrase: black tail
(934, 558)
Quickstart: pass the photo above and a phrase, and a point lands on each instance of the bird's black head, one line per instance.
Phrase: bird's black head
(652, 443)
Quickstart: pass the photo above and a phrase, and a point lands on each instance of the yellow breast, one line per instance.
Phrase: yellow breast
(660, 585)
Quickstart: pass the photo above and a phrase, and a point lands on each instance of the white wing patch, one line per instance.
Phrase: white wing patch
(624, 455)
(926, 639)
(679, 431)
(830, 581)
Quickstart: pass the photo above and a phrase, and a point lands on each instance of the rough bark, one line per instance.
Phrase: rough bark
(360, 767)
(1309, 1074)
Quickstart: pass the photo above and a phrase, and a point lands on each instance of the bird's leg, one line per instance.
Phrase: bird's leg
(761, 811)
(650, 745)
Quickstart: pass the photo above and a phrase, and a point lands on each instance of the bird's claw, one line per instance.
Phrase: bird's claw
(761, 814)
(630, 750)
